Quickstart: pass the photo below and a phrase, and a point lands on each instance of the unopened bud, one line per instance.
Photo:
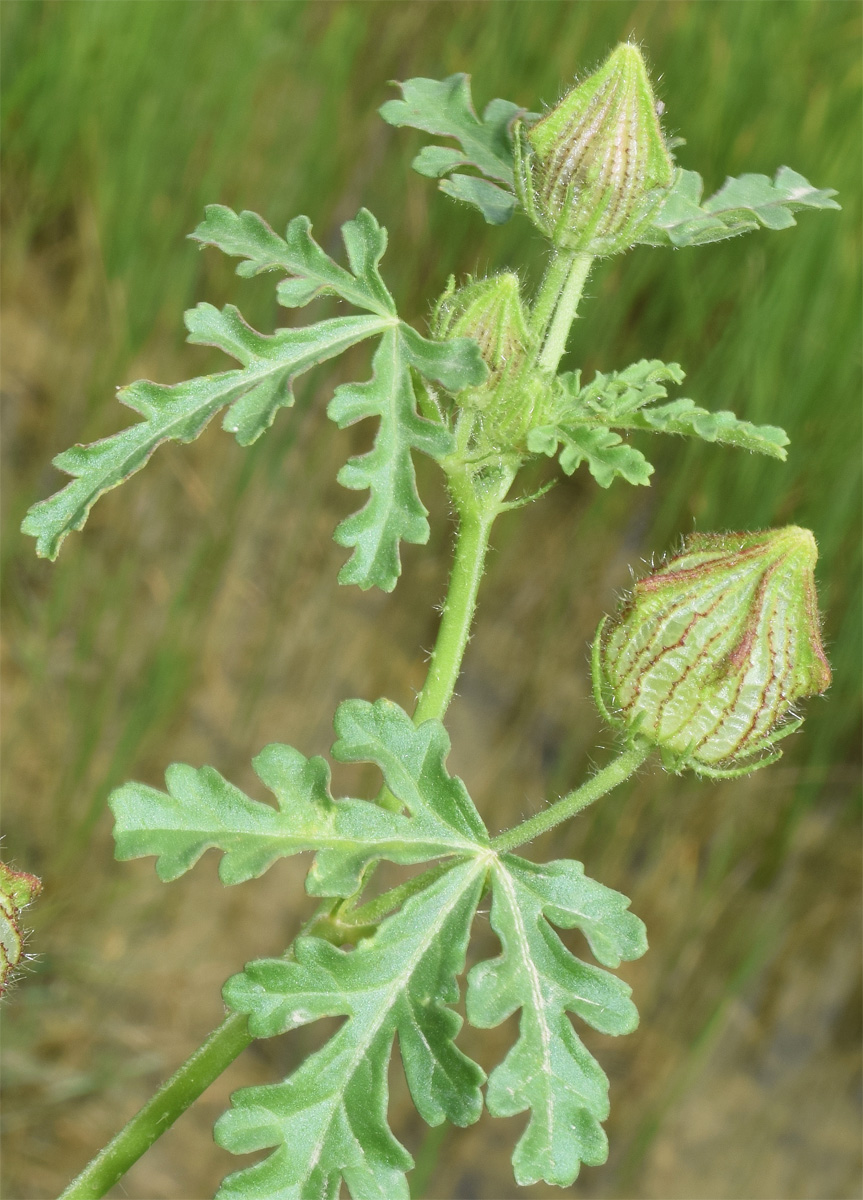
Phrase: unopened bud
(711, 651)
(592, 172)
(492, 313)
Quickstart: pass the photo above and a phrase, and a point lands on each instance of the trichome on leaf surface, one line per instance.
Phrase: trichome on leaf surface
(704, 662)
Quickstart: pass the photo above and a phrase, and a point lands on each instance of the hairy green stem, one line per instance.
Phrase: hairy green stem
(550, 289)
(477, 511)
(375, 911)
(196, 1074)
(477, 508)
(189, 1081)
(565, 311)
(609, 777)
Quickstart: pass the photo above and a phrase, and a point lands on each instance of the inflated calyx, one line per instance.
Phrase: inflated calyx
(711, 651)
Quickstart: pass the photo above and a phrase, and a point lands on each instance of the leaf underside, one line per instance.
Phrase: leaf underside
(328, 1120)
(586, 419)
(445, 108)
(549, 1071)
(740, 206)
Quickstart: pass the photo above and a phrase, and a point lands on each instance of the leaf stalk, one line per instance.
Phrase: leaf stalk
(604, 781)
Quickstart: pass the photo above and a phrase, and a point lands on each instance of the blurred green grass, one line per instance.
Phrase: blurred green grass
(197, 615)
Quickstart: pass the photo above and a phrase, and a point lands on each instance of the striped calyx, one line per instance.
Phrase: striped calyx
(593, 171)
(491, 312)
(711, 651)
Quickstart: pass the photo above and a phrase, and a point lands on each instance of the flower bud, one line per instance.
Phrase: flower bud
(593, 171)
(491, 312)
(711, 651)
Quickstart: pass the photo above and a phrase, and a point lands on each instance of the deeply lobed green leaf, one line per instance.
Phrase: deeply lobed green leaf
(445, 107)
(585, 419)
(201, 810)
(549, 1071)
(180, 412)
(328, 1120)
(740, 206)
(246, 235)
(394, 511)
(605, 452)
(270, 363)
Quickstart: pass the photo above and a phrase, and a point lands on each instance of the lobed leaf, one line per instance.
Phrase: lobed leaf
(618, 393)
(585, 416)
(394, 511)
(445, 108)
(328, 1120)
(412, 760)
(246, 235)
(684, 416)
(549, 1071)
(741, 205)
(180, 412)
(495, 204)
(201, 810)
(606, 454)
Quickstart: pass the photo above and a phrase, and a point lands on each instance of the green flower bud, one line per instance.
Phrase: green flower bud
(711, 651)
(592, 172)
(492, 313)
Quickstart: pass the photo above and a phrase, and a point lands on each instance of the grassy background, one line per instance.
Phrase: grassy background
(197, 617)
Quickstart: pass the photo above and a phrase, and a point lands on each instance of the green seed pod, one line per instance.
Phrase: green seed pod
(593, 171)
(711, 651)
(492, 313)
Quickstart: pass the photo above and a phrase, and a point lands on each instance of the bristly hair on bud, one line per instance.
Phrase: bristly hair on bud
(491, 311)
(711, 651)
(593, 171)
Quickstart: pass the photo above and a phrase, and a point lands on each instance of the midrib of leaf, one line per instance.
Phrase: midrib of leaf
(503, 876)
(390, 415)
(370, 1031)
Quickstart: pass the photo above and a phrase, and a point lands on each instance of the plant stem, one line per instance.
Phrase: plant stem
(189, 1081)
(606, 779)
(477, 509)
(477, 512)
(374, 912)
(478, 500)
(549, 292)
(196, 1074)
(565, 310)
